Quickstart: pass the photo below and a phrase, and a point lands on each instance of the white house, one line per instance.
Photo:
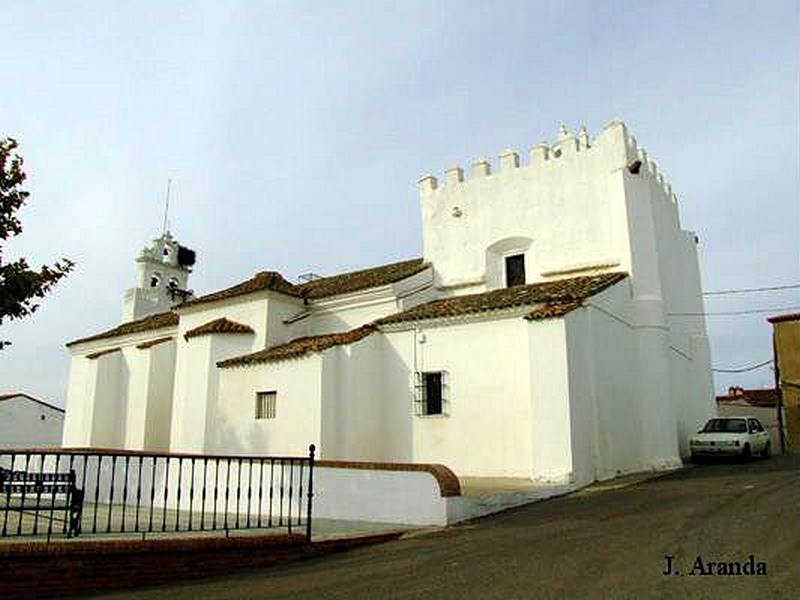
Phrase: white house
(550, 330)
(27, 422)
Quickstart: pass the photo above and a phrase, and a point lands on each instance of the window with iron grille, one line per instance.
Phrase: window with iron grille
(431, 397)
(266, 405)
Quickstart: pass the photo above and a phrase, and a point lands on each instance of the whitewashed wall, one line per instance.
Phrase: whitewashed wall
(80, 402)
(195, 401)
(247, 310)
(550, 420)
(487, 429)
(109, 417)
(345, 312)
(353, 401)
(571, 207)
(159, 396)
(108, 396)
(298, 408)
(25, 423)
(386, 496)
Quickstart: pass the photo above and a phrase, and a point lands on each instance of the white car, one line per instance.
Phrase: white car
(731, 436)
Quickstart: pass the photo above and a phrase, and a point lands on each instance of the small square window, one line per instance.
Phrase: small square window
(431, 396)
(266, 405)
(515, 270)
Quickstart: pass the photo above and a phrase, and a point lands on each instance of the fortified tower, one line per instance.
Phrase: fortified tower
(583, 206)
(163, 277)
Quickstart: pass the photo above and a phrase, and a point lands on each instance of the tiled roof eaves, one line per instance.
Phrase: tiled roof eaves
(221, 325)
(494, 314)
(551, 299)
(299, 347)
(782, 318)
(260, 282)
(548, 300)
(552, 311)
(155, 342)
(753, 397)
(362, 279)
(150, 323)
(324, 287)
(95, 355)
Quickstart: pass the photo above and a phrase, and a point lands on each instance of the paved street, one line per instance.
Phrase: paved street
(600, 543)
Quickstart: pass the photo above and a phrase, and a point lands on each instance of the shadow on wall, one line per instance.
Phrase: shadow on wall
(397, 397)
(393, 436)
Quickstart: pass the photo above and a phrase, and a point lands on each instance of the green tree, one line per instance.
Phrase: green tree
(20, 286)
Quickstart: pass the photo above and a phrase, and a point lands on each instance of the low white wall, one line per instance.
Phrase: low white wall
(229, 490)
(385, 496)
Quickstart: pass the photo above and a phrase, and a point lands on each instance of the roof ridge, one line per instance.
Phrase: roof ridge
(10, 396)
(220, 325)
(363, 270)
(361, 279)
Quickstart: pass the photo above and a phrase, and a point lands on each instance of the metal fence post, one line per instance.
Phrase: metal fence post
(311, 450)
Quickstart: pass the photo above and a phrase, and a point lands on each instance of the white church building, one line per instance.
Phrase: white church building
(551, 330)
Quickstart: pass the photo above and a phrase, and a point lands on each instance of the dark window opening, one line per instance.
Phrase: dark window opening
(431, 393)
(515, 270)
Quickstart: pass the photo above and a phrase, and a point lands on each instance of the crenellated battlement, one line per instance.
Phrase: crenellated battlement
(614, 144)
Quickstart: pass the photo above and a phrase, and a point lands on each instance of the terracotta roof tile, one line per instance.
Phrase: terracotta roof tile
(558, 297)
(222, 325)
(362, 279)
(551, 311)
(300, 347)
(155, 342)
(95, 355)
(781, 318)
(319, 288)
(265, 280)
(757, 397)
(157, 321)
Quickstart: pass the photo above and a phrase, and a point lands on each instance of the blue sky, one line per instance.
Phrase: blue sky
(295, 133)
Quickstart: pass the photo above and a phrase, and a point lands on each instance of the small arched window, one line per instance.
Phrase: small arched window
(173, 283)
(155, 280)
(509, 262)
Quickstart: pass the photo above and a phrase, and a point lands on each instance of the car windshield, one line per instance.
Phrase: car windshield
(726, 426)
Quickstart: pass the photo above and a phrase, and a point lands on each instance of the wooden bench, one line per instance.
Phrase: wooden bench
(43, 493)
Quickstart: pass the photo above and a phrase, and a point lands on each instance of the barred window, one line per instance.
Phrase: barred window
(266, 405)
(431, 396)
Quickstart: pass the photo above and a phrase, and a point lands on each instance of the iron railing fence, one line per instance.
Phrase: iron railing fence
(69, 492)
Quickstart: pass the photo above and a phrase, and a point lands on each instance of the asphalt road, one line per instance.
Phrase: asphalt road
(607, 543)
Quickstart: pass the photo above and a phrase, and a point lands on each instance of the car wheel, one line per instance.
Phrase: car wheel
(767, 452)
(746, 452)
